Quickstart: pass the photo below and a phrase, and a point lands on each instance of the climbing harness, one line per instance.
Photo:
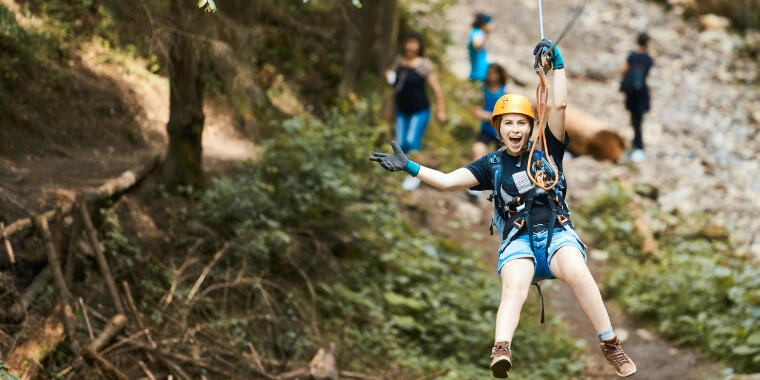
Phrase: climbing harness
(540, 182)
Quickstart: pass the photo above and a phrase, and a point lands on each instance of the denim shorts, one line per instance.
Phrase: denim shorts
(519, 247)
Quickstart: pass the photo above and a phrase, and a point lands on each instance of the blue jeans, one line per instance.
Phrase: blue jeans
(519, 247)
(410, 128)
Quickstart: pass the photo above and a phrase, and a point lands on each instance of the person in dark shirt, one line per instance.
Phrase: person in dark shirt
(634, 86)
(412, 71)
(534, 250)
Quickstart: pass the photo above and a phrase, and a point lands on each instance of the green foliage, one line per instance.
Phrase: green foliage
(693, 289)
(4, 374)
(385, 292)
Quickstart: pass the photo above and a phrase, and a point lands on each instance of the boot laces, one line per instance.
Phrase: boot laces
(616, 353)
(500, 349)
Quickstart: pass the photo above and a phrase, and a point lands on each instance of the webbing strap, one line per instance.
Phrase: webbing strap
(538, 287)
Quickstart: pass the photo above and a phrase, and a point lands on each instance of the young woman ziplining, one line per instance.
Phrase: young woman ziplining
(538, 239)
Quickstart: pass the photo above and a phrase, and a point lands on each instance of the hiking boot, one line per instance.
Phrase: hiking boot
(614, 354)
(501, 360)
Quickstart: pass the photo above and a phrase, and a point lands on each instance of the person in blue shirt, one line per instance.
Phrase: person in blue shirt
(494, 87)
(476, 44)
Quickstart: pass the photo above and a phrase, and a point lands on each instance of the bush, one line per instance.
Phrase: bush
(694, 289)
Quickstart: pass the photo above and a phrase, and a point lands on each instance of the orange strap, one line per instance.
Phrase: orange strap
(542, 98)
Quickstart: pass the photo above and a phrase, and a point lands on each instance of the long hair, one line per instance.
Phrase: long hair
(501, 71)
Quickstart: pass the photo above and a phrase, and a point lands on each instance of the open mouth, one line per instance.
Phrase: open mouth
(515, 140)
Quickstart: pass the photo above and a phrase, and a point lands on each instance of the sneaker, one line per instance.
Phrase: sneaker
(614, 354)
(410, 183)
(638, 156)
(501, 360)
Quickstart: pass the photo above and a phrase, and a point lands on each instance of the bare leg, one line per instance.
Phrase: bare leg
(516, 276)
(567, 265)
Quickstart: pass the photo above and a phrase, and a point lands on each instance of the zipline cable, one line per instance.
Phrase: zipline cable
(543, 66)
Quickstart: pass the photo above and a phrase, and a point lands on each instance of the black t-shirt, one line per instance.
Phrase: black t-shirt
(481, 169)
(410, 87)
(640, 61)
(635, 82)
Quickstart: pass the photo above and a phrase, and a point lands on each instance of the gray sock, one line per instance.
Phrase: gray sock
(606, 335)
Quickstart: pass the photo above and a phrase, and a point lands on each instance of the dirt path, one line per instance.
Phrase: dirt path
(39, 180)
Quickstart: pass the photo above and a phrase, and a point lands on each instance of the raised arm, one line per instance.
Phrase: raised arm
(546, 48)
(559, 93)
(456, 180)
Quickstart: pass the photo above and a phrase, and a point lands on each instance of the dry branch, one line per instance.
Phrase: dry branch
(55, 265)
(206, 270)
(73, 239)
(86, 318)
(8, 246)
(323, 366)
(108, 189)
(113, 326)
(100, 257)
(147, 372)
(39, 344)
(89, 353)
(18, 310)
(358, 376)
(136, 313)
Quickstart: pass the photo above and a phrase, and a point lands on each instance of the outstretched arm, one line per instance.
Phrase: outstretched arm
(458, 179)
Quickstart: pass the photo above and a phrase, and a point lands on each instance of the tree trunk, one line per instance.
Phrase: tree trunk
(389, 26)
(362, 32)
(183, 165)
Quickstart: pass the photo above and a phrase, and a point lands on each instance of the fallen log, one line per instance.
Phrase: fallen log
(110, 188)
(41, 341)
(17, 312)
(589, 136)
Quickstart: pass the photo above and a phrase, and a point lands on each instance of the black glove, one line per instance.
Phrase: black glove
(391, 162)
(553, 55)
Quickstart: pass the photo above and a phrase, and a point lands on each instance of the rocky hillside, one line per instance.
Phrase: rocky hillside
(702, 134)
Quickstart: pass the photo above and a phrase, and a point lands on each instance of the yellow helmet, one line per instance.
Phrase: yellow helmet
(512, 103)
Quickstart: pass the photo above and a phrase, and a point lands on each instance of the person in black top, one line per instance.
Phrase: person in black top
(537, 239)
(412, 71)
(634, 85)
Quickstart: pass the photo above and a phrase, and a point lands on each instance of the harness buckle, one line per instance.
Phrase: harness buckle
(562, 219)
(519, 225)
